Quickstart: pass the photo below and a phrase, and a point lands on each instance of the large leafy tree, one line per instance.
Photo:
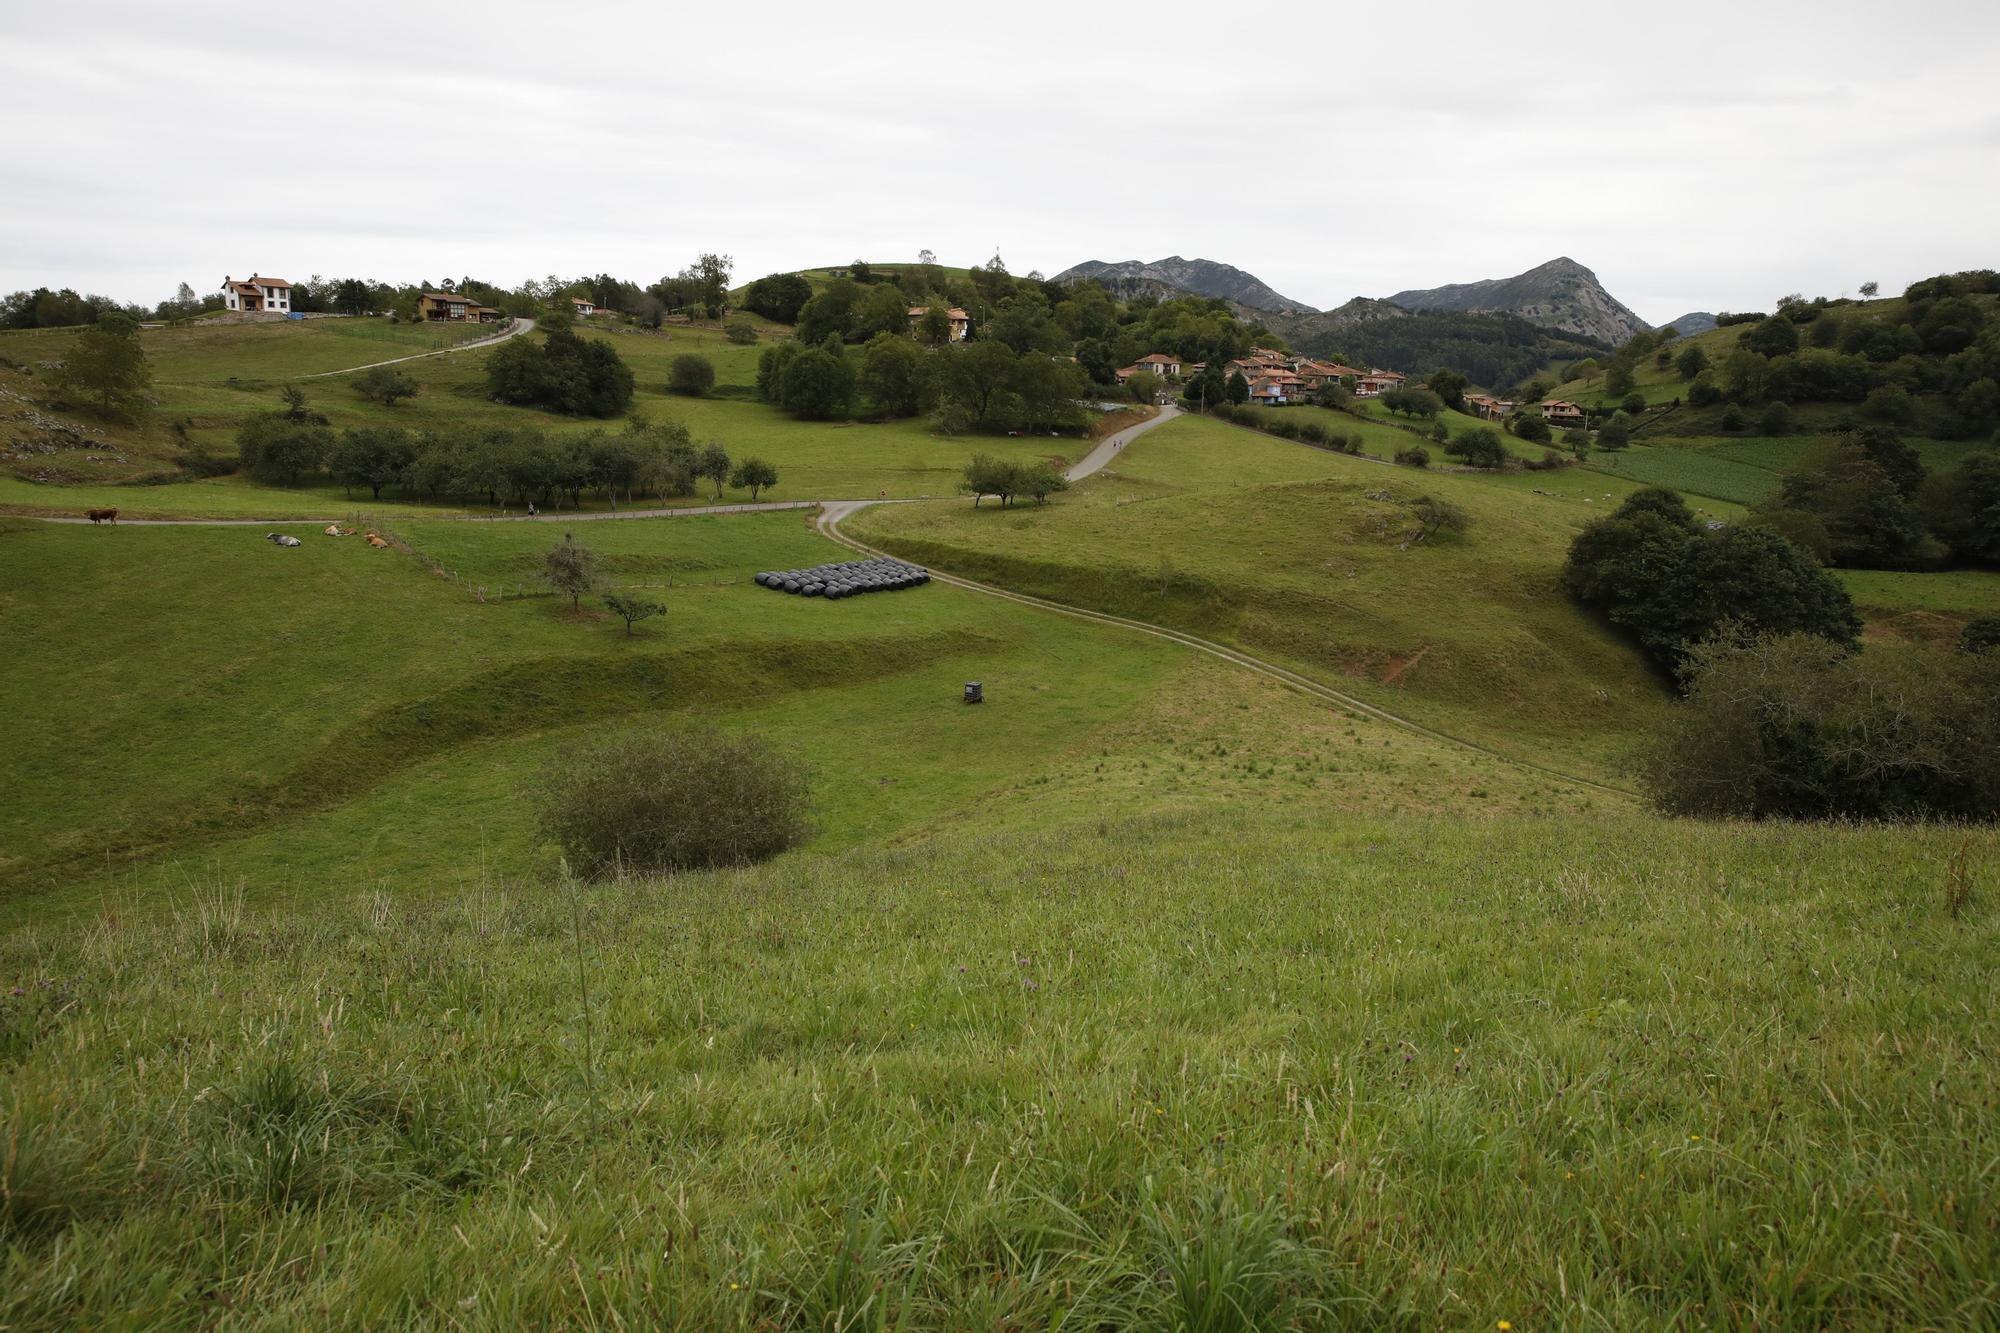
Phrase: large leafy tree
(374, 457)
(817, 383)
(565, 372)
(1868, 523)
(973, 377)
(1963, 508)
(893, 376)
(778, 296)
(105, 368)
(1671, 583)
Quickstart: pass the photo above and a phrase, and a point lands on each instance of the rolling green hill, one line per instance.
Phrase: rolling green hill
(209, 379)
(1149, 993)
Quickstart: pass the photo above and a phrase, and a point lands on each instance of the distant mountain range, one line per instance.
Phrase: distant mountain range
(1561, 294)
(1695, 321)
(1497, 331)
(1174, 276)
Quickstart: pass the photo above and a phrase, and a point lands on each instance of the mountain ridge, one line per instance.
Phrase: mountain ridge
(1175, 276)
(1560, 294)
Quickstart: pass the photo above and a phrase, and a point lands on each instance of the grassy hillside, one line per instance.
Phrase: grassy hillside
(1147, 994)
(1305, 555)
(1395, 1072)
(210, 378)
(334, 714)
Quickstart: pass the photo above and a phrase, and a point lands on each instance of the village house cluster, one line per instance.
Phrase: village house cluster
(1276, 378)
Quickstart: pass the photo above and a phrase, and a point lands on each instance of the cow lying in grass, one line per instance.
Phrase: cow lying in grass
(281, 539)
(102, 516)
(377, 540)
(335, 530)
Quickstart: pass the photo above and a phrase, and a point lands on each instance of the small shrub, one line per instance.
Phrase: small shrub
(1312, 433)
(1796, 727)
(1530, 426)
(1731, 419)
(673, 800)
(740, 331)
(1479, 447)
(1634, 404)
(691, 375)
(1414, 456)
(198, 461)
(385, 385)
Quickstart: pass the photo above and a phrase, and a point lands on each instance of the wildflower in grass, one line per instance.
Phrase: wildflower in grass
(1502, 1325)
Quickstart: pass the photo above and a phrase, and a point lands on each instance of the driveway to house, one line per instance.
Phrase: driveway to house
(515, 330)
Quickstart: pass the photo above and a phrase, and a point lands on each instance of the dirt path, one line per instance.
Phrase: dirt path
(515, 330)
(835, 511)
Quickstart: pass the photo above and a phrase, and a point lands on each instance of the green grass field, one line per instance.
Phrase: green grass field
(1251, 1068)
(1147, 994)
(1303, 555)
(212, 378)
(341, 714)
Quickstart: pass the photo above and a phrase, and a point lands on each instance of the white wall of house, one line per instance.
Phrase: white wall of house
(275, 298)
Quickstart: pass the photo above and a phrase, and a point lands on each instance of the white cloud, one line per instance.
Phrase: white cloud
(1703, 155)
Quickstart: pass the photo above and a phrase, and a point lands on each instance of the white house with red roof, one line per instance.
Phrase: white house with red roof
(1378, 382)
(256, 295)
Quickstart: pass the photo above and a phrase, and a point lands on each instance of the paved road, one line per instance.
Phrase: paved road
(1107, 449)
(1092, 462)
(519, 327)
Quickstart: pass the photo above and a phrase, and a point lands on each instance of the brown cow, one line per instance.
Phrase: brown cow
(102, 516)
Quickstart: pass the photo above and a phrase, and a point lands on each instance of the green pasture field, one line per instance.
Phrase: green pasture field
(296, 717)
(1966, 592)
(1256, 1067)
(1692, 471)
(1470, 634)
(815, 460)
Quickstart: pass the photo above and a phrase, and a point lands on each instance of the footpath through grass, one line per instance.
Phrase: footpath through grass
(1394, 1072)
(1307, 557)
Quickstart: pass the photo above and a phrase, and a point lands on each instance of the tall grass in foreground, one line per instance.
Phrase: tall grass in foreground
(1169, 1073)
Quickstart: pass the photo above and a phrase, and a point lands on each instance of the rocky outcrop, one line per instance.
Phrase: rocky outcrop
(1561, 294)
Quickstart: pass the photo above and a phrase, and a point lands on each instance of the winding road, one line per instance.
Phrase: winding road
(514, 330)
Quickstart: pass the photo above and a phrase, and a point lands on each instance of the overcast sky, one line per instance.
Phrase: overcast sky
(1696, 156)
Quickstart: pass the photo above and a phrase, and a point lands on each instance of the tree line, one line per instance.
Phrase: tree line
(495, 466)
